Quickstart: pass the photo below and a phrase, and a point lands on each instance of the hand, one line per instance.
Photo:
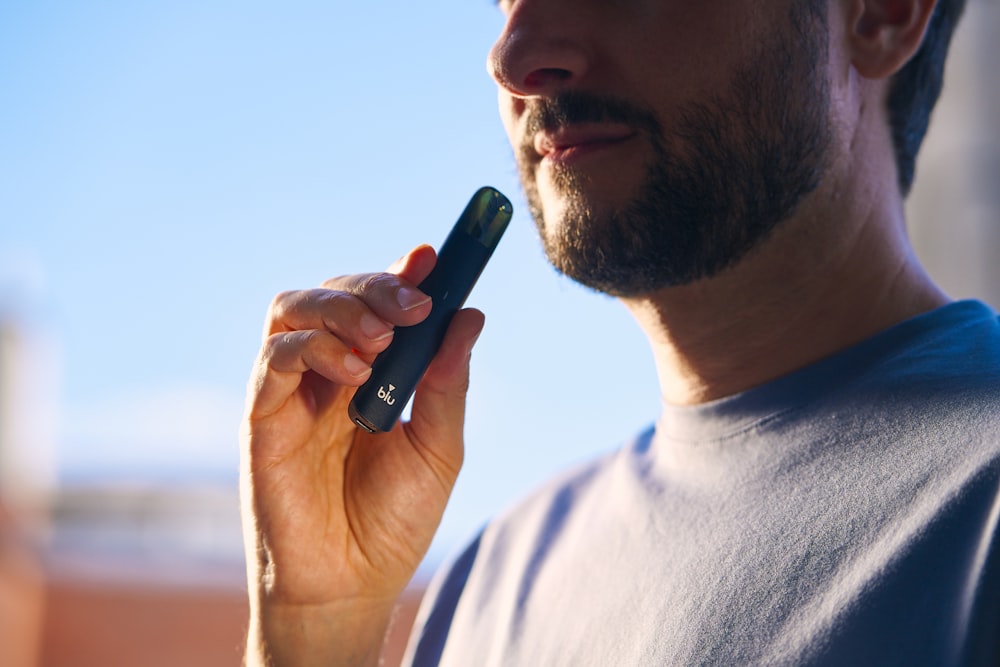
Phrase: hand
(336, 520)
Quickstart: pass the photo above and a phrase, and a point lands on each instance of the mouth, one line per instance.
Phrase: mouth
(569, 144)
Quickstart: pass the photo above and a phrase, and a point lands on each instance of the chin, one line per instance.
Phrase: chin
(571, 197)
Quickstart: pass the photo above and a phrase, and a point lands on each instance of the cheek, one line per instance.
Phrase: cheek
(682, 51)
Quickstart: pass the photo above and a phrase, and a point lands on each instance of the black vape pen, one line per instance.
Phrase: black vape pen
(397, 370)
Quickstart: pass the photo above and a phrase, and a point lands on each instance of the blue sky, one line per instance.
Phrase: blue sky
(167, 167)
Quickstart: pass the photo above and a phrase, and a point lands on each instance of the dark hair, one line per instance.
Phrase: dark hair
(915, 89)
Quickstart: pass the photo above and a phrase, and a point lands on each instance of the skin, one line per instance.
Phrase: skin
(721, 170)
(839, 270)
(336, 521)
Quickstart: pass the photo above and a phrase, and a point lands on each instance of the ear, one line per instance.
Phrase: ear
(884, 34)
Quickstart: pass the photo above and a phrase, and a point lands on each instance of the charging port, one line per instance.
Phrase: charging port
(362, 424)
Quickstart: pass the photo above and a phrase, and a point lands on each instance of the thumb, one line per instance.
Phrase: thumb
(438, 415)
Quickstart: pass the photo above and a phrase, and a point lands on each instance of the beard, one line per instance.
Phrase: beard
(736, 166)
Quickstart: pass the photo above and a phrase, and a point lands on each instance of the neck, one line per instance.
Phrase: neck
(818, 284)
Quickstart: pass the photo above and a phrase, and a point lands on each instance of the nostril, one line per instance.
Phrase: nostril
(547, 75)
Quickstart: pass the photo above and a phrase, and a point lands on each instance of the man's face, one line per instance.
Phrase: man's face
(659, 142)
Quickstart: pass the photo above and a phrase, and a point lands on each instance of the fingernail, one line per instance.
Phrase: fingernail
(409, 298)
(374, 328)
(355, 365)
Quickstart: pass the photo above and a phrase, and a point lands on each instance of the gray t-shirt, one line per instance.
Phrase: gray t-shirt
(846, 514)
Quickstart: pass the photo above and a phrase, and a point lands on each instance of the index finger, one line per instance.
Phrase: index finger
(393, 295)
(412, 267)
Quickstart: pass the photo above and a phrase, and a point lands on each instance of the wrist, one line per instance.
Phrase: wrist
(337, 634)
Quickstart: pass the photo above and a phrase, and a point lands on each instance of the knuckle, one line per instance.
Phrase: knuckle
(335, 283)
(285, 344)
(338, 310)
(373, 283)
(311, 338)
(334, 301)
(272, 346)
(280, 302)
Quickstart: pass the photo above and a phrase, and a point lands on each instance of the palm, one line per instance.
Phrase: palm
(352, 513)
(336, 519)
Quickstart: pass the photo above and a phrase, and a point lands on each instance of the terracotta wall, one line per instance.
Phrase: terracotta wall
(91, 623)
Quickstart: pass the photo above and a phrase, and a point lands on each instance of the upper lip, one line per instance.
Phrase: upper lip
(565, 137)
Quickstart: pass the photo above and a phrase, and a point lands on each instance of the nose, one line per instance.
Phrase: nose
(541, 49)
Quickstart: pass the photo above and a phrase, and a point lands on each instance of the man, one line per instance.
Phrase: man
(822, 486)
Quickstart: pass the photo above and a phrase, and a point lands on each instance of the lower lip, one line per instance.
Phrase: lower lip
(573, 154)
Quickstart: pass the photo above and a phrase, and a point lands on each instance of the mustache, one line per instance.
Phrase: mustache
(548, 114)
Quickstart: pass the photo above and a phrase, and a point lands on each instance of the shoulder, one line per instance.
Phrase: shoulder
(500, 555)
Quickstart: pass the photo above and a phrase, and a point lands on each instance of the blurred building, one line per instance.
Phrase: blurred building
(29, 369)
(27, 473)
(153, 575)
(150, 574)
(145, 574)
